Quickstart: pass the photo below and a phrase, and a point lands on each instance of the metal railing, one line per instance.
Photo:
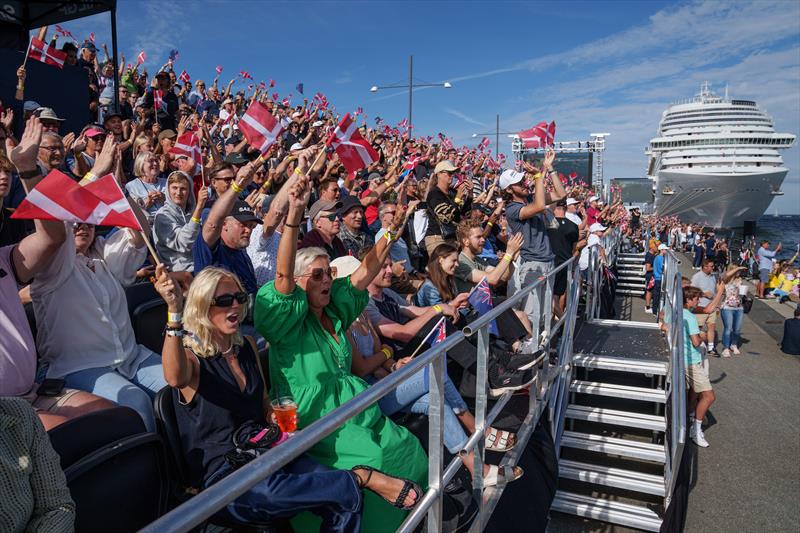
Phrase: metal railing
(549, 386)
(672, 298)
(610, 242)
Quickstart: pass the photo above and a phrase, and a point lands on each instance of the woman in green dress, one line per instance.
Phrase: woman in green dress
(304, 315)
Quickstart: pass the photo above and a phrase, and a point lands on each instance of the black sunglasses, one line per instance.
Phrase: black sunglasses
(226, 300)
(317, 273)
(332, 217)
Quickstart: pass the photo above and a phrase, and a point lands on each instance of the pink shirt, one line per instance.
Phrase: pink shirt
(17, 349)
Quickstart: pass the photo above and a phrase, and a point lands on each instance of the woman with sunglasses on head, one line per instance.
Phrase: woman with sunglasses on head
(220, 394)
(304, 314)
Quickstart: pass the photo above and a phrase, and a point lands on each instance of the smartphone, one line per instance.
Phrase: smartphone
(51, 387)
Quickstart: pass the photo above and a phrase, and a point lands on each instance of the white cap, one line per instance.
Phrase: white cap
(345, 265)
(296, 146)
(317, 123)
(597, 227)
(662, 247)
(571, 201)
(509, 177)
(296, 114)
(593, 198)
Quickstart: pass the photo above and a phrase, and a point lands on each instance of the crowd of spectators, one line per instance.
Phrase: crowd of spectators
(338, 276)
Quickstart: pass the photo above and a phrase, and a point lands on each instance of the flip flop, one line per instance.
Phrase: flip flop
(498, 440)
(408, 486)
(494, 476)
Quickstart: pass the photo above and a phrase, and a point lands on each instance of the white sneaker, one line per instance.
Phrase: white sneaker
(735, 350)
(699, 438)
(648, 309)
(726, 353)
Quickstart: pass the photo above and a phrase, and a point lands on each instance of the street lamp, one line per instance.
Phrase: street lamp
(410, 86)
(496, 134)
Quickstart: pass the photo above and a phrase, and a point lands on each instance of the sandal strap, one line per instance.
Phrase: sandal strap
(401, 498)
(369, 469)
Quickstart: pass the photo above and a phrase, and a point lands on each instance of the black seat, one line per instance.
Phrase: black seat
(148, 320)
(105, 454)
(167, 423)
(139, 293)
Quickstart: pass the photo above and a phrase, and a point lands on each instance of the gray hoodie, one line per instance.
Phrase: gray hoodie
(174, 234)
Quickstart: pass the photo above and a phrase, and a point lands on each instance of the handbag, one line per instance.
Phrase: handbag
(250, 440)
(747, 303)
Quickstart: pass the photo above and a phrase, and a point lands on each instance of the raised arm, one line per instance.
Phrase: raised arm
(538, 205)
(35, 251)
(559, 192)
(376, 257)
(298, 194)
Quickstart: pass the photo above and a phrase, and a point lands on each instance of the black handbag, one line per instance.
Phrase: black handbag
(252, 439)
(747, 303)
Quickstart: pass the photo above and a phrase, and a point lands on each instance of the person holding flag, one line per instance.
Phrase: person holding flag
(165, 113)
(84, 330)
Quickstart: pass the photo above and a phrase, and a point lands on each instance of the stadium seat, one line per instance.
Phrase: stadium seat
(148, 320)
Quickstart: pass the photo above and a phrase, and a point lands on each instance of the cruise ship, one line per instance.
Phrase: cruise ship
(716, 161)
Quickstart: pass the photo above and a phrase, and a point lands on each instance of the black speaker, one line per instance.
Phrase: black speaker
(749, 228)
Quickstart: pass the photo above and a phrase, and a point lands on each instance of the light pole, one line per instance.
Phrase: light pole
(411, 86)
(497, 134)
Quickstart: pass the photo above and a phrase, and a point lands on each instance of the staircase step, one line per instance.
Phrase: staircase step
(631, 285)
(618, 391)
(611, 477)
(639, 292)
(623, 514)
(617, 418)
(633, 277)
(621, 364)
(630, 449)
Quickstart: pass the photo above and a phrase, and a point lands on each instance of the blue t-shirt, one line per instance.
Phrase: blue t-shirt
(691, 354)
(237, 261)
(534, 230)
(658, 267)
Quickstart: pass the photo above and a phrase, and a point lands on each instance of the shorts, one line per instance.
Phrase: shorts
(763, 275)
(560, 281)
(697, 378)
(49, 404)
(703, 319)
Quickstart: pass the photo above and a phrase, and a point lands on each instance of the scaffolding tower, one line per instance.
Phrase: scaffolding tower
(596, 145)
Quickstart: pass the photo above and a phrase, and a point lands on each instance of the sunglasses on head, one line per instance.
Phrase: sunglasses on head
(226, 300)
(317, 273)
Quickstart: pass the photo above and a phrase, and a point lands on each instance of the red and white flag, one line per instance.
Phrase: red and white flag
(65, 32)
(219, 70)
(354, 151)
(91, 37)
(57, 197)
(188, 144)
(259, 127)
(245, 75)
(158, 99)
(184, 77)
(39, 51)
(412, 163)
(539, 136)
(484, 144)
(140, 58)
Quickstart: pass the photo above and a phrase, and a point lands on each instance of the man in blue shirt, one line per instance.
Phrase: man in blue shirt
(701, 395)
(658, 274)
(765, 256)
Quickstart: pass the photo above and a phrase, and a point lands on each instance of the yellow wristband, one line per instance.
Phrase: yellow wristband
(89, 177)
(537, 176)
(175, 318)
(236, 188)
(489, 224)
(387, 352)
(437, 308)
(298, 171)
(389, 236)
(458, 201)
(196, 220)
(507, 257)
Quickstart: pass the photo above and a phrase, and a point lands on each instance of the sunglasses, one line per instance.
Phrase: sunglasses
(332, 217)
(226, 300)
(317, 273)
(227, 180)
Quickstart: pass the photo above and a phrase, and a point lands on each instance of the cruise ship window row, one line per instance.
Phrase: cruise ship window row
(743, 120)
(712, 142)
(711, 112)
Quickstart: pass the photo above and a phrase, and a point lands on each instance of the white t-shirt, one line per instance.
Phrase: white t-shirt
(593, 240)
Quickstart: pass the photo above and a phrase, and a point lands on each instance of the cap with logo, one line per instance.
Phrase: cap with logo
(509, 177)
(244, 213)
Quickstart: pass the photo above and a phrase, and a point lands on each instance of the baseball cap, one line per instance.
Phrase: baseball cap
(296, 114)
(593, 198)
(295, 147)
(317, 123)
(348, 203)
(662, 247)
(167, 134)
(93, 131)
(162, 74)
(509, 177)
(571, 201)
(243, 212)
(30, 106)
(374, 176)
(319, 206)
(445, 166)
(47, 113)
(345, 265)
(89, 45)
(235, 158)
(227, 101)
(561, 203)
(111, 114)
(597, 227)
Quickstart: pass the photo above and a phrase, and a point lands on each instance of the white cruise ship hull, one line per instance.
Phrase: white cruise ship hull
(717, 200)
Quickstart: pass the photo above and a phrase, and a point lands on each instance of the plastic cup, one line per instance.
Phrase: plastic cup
(286, 413)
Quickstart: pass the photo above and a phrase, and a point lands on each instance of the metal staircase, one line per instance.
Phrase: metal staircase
(612, 452)
(631, 270)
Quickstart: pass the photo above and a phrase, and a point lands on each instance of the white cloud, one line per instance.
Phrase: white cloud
(466, 118)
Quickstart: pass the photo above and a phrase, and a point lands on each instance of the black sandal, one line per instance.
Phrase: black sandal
(408, 486)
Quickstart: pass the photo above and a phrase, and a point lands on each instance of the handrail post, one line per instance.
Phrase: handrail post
(481, 378)
(435, 438)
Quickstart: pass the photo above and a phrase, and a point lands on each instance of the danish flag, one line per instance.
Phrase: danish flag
(49, 55)
(158, 99)
(65, 32)
(184, 77)
(412, 163)
(259, 127)
(354, 151)
(245, 75)
(539, 136)
(140, 58)
(188, 144)
(484, 144)
(57, 197)
(219, 70)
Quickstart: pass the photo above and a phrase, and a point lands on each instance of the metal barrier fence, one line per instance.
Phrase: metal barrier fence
(672, 297)
(549, 386)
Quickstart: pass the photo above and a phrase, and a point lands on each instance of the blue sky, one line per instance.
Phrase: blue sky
(590, 66)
